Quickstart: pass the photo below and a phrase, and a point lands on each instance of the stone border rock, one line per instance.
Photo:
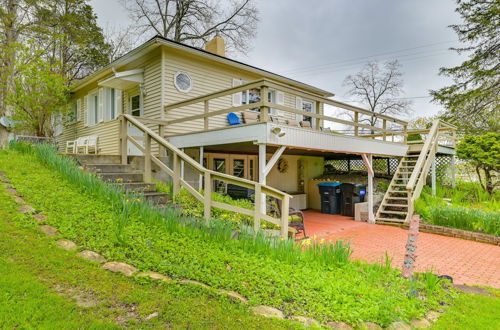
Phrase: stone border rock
(452, 232)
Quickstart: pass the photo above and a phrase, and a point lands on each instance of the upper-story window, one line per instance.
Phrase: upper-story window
(253, 96)
(183, 82)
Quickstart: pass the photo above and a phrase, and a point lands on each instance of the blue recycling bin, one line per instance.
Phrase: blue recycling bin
(330, 197)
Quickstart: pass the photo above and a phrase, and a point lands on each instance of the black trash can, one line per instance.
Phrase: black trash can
(330, 197)
(351, 194)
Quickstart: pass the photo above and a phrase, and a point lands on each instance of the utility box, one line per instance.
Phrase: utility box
(351, 194)
(361, 212)
(330, 197)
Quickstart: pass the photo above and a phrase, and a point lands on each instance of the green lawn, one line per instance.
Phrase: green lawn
(39, 285)
(471, 312)
(352, 292)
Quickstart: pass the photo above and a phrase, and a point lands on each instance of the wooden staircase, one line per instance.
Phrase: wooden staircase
(410, 176)
(394, 206)
(110, 169)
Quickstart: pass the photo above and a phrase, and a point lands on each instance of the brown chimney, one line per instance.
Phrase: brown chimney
(216, 46)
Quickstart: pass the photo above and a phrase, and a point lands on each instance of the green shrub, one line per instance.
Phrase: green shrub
(466, 207)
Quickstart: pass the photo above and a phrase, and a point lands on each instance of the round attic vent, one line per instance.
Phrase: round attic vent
(183, 82)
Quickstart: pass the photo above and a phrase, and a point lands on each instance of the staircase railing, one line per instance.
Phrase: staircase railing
(205, 196)
(425, 159)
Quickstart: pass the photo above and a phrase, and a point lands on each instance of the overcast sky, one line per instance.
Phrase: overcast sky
(320, 42)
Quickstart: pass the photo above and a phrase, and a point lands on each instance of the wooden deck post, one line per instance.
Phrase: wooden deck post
(258, 207)
(177, 174)
(368, 160)
(161, 131)
(433, 176)
(200, 183)
(262, 174)
(264, 111)
(206, 110)
(207, 201)
(285, 205)
(405, 133)
(147, 158)
(452, 165)
(384, 127)
(356, 121)
(318, 111)
(123, 140)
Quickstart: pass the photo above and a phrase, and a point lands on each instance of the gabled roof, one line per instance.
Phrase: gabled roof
(158, 41)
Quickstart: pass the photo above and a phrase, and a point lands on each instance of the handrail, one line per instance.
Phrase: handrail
(427, 156)
(209, 175)
(264, 84)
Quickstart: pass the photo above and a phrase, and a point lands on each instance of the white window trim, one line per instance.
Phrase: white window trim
(141, 104)
(90, 97)
(177, 86)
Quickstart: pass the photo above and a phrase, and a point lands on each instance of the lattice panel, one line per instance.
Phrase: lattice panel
(383, 166)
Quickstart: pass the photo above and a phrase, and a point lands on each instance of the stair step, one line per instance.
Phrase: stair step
(393, 212)
(389, 220)
(109, 168)
(156, 197)
(398, 191)
(395, 205)
(397, 198)
(407, 167)
(137, 186)
(121, 177)
(412, 156)
(398, 185)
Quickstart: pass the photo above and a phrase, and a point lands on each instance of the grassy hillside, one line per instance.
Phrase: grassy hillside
(318, 284)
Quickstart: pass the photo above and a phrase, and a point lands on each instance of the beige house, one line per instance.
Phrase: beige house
(230, 118)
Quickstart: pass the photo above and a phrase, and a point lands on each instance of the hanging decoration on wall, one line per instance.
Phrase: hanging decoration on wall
(282, 165)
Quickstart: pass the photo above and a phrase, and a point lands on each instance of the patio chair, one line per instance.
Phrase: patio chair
(70, 146)
(233, 119)
(297, 225)
(293, 123)
(250, 117)
(326, 129)
(305, 124)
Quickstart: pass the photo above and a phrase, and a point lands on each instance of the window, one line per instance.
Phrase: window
(183, 82)
(112, 103)
(72, 115)
(57, 123)
(135, 105)
(306, 106)
(92, 108)
(253, 96)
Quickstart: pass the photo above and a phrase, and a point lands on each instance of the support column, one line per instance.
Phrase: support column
(262, 174)
(371, 217)
(452, 166)
(368, 160)
(200, 183)
(433, 176)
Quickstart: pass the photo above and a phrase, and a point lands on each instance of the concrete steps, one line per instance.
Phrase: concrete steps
(109, 169)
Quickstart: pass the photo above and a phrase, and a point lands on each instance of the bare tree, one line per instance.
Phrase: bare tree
(121, 40)
(379, 89)
(194, 22)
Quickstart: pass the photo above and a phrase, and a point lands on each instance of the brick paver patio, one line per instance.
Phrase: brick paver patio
(468, 262)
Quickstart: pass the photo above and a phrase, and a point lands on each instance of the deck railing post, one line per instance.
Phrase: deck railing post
(161, 131)
(206, 110)
(384, 127)
(318, 111)
(123, 140)
(405, 133)
(284, 216)
(207, 202)
(258, 207)
(177, 174)
(147, 158)
(356, 121)
(264, 110)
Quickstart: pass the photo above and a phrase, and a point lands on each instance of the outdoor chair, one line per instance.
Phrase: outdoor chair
(250, 117)
(305, 124)
(233, 119)
(70, 146)
(326, 129)
(297, 225)
(86, 144)
(293, 123)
